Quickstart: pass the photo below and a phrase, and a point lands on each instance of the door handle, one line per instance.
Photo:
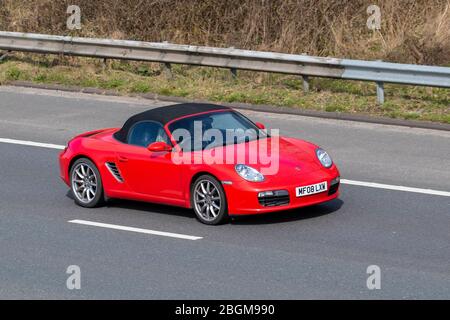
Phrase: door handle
(123, 159)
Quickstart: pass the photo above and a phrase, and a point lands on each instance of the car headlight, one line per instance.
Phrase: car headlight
(324, 158)
(249, 173)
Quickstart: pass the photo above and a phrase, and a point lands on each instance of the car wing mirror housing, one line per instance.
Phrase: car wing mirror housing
(260, 125)
(159, 147)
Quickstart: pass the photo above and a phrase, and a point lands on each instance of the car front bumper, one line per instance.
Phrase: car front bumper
(64, 162)
(242, 196)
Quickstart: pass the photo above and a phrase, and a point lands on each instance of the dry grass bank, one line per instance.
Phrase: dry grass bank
(405, 102)
(414, 31)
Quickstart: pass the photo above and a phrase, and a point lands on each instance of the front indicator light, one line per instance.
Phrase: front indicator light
(335, 181)
(265, 194)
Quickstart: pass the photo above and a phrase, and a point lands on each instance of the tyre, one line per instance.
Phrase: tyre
(209, 201)
(86, 184)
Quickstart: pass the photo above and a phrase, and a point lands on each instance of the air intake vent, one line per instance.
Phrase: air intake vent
(273, 198)
(333, 189)
(112, 167)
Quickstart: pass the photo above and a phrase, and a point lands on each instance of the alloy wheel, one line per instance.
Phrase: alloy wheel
(84, 182)
(207, 200)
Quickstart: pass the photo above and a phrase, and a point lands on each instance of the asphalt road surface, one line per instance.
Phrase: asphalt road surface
(317, 252)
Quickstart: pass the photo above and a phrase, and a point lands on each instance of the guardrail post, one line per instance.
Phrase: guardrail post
(305, 84)
(380, 92)
(233, 70)
(233, 73)
(3, 57)
(167, 69)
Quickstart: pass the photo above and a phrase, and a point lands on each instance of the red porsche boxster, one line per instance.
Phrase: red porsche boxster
(202, 156)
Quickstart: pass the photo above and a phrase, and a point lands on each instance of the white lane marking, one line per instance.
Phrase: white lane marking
(343, 181)
(33, 144)
(397, 188)
(139, 230)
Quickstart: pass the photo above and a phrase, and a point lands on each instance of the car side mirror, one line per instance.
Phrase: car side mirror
(260, 125)
(159, 147)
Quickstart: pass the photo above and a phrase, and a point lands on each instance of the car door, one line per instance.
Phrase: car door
(149, 173)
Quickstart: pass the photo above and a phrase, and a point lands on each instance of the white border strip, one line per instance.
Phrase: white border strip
(397, 188)
(139, 230)
(33, 144)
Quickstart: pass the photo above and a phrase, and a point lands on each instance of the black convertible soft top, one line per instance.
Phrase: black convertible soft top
(165, 114)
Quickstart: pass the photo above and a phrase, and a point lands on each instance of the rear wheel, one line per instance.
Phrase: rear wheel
(209, 201)
(86, 183)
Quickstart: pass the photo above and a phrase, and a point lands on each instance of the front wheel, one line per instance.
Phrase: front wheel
(209, 201)
(86, 184)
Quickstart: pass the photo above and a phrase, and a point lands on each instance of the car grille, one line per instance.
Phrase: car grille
(278, 198)
(112, 167)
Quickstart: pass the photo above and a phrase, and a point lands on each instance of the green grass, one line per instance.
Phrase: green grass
(13, 73)
(405, 102)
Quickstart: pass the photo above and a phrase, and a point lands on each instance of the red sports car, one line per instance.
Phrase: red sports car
(206, 157)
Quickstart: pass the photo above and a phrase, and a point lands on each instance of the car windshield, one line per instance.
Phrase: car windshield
(214, 129)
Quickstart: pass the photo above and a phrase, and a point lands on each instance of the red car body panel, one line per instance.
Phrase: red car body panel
(171, 183)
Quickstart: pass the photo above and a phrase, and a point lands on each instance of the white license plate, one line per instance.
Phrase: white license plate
(311, 189)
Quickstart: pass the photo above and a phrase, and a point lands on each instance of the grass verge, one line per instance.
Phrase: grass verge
(403, 102)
